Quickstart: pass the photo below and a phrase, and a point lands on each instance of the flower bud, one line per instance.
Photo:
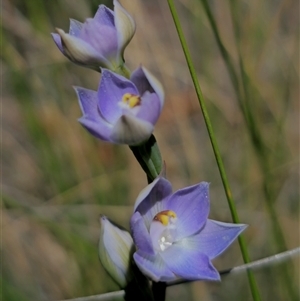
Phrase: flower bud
(115, 251)
(99, 41)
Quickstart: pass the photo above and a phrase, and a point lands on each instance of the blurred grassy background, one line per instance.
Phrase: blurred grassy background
(57, 179)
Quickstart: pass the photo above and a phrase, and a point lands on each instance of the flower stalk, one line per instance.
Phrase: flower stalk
(149, 157)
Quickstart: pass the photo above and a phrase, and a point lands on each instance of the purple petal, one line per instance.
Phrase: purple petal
(57, 40)
(141, 235)
(214, 238)
(75, 27)
(105, 16)
(92, 119)
(139, 78)
(153, 267)
(191, 206)
(101, 37)
(88, 102)
(79, 51)
(145, 81)
(189, 264)
(149, 202)
(131, 130)
(111, 90)
(99, 129)
(150, 108)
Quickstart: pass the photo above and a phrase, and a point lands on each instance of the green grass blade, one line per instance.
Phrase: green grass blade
(234, 214)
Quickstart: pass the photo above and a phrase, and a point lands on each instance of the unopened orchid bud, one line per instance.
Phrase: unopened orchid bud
(115, 251)
(99, 41)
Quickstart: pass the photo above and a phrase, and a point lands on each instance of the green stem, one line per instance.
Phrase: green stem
(123, 70)
(234, 214)
(149, 157)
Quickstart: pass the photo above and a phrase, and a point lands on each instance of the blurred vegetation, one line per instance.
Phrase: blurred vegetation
(57, 179)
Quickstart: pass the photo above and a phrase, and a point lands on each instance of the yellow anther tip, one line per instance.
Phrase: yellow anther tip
(131, 99)
(164, 216)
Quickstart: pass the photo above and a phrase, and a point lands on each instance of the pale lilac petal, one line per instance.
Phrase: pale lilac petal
(155, 84)
(99, 129)
(145, 81)
(75, 27)
(141, 235)
(92, 119)
(139, 78)
(159, 189)
(153, 267)
(88, 102)
(80, 51)
(145, 192)
(105, 16)
(125, 28)
(131, 130)
(111, 90)
(57, 41)
(214, 238)
(191, 206)
(149, 201)
(150, 108)
(102, 38)
(189, 264)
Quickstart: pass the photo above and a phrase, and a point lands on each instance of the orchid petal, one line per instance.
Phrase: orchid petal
(149, 202)
(150, 107)
(57, 40)
(146, 81)
(131, 130)
(99, 129)
(153, 267)
(101, 37)
(75, 27)
(105, 16)
(80, 51)
(155, 84)
(141, 235)
(214, 238)
(88, 102)
(91, 119)
(189, 264)
(111, 90)
(125, 28)
(191, 206)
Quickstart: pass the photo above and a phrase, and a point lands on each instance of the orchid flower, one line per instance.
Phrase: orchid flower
(99, 41)
(174, 237)
(122, 111)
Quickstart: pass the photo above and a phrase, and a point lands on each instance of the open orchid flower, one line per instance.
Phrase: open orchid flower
(122, 111)
(100, 41)
(173, 235)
